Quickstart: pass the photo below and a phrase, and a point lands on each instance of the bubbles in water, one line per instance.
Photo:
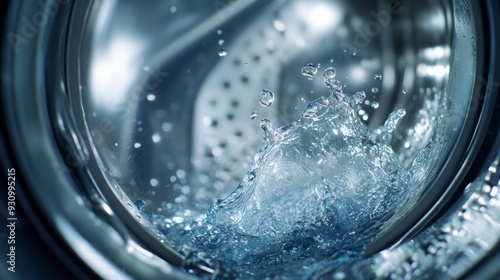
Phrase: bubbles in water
(220, 42)
(137, 145)
(378, 77)
(374, 89)
(310, 70)
(140, 205)
(219, 32)
(405, 91)
(173, 9)
(253, 115)
(222, 52)
(266, 97)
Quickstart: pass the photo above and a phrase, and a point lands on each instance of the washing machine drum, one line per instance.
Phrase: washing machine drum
(131, 145)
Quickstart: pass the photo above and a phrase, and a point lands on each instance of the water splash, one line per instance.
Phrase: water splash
(318, 191)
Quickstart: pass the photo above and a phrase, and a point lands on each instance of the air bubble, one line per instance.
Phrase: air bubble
(377, 77)
(374, 89)
(253, 115)
(137, 145)
(266, 97)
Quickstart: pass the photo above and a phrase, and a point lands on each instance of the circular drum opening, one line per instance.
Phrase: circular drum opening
(155, 112)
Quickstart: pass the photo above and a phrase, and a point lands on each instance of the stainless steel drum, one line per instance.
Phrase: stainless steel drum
(116, 110)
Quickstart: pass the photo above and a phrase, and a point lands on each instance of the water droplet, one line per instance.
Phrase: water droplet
(151, 97)
(181, 174)
(154, 182)
(310, 70)
(374, 89)
(266, 97)
(330, 81)
(329, 74)
(140, 205)
(279, 25)
(253, 115)
(222, 52)
(137, 145)
(156, 138)
(166, 126)
(221, 42)
(378, 77)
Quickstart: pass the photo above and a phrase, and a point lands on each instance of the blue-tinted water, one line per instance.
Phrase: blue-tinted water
(318, 191)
